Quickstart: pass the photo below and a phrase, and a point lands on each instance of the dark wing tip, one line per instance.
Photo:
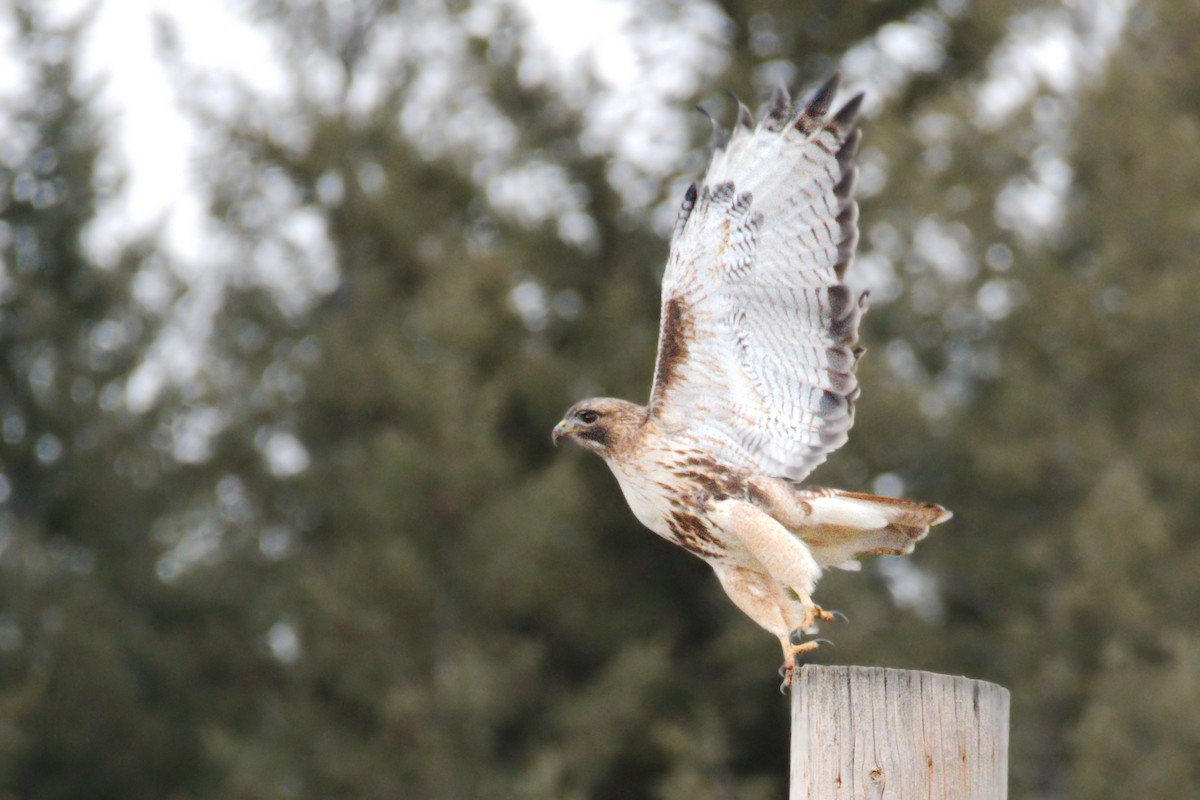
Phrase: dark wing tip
(847, 115)
(818, 107)
(778, 109)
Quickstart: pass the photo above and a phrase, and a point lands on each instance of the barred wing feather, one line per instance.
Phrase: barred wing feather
(757, 344)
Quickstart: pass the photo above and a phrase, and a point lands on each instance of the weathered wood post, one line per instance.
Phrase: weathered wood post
(869, 732)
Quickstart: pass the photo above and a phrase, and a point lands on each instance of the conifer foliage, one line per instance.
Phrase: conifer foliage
(339, 558)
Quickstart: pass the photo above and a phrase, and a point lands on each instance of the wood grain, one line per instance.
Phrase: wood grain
(870, 732)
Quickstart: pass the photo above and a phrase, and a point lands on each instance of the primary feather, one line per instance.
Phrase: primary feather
(757, 346)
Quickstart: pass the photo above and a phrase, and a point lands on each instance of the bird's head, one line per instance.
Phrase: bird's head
(601, 424)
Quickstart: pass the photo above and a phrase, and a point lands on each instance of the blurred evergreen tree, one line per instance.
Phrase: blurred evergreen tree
(515, 633)
(1118, 331)
(344, 561)
(474, 619)
(105, 671)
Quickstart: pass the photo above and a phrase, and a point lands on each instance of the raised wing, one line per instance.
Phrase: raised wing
(757, 344)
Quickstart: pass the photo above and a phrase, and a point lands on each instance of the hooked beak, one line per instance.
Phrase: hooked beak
(560, 430)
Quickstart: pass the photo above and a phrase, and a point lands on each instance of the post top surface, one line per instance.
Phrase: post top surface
(822, 673)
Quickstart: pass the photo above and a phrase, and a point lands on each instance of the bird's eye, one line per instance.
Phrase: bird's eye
(588, 417)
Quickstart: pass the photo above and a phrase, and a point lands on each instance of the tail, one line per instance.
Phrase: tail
(842, 526)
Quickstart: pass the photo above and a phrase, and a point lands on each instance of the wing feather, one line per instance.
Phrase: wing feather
(757, 345)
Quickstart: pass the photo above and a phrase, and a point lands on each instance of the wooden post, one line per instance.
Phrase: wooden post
(869, 732)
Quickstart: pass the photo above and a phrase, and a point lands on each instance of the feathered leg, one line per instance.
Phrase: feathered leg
(783, 555)
(786, 560)
(773, 607)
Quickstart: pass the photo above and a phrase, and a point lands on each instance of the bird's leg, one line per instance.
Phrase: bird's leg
(793, 647)
(805, 623)
(814, 613)
(810, 612)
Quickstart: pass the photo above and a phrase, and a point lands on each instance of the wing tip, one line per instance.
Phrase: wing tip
(720, 136)
(819, 105)
(778, 108)
(845, 118)
(777, 114)
(745, 119)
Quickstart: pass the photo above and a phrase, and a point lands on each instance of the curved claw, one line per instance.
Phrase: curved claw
(787, 671)
(838, 614)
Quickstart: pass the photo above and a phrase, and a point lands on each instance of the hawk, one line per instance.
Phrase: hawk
(754, 384)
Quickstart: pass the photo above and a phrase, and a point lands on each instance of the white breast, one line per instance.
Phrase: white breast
(647, 501)
(645, 492)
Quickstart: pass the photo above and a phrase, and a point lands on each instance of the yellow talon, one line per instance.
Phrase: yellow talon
(790, 652)
(812, 614)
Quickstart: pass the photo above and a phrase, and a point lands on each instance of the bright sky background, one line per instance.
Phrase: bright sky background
(158, 148)
(154, 142)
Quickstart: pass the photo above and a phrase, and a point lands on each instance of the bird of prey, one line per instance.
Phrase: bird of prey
(754, 384)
